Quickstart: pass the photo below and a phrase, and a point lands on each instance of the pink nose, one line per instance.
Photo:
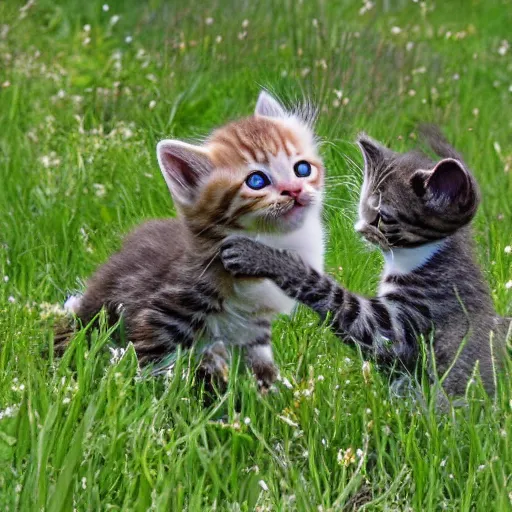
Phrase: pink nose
(292, 192)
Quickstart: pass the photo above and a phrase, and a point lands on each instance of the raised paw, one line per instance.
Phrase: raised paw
(242, 256)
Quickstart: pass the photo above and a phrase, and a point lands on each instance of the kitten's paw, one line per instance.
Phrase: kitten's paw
(214, 366)
(266, 374)
(242, 256)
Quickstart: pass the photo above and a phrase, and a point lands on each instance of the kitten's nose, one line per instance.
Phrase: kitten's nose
(292, 192)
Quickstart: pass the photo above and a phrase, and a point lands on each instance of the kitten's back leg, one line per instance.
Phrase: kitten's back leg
(259, 356)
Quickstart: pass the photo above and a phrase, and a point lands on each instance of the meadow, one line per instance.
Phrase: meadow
(86, 91)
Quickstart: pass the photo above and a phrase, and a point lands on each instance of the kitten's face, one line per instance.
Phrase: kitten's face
(258, 174)
(408, 200)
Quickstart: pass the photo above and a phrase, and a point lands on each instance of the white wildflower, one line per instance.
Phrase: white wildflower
(245, 23)
(152, 104)
(11, 299)
(508, 249)
(504, 47)
(99, 189)
(105, 7)
(128, 39)
(114, 19)
(263, 485)
(209, 21)
(87, 28)
(508, 285)
(396, 30)
(117, 354)
(66, 400)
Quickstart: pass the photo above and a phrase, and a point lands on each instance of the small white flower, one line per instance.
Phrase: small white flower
(443, 463)
(508, 249)
(409, 46)
(359, 453)
(87, 28)
(247, 420)
(508, 285)
(209, 21)
(320, 378)
(263, 485)
(245, 23)
(66, 400)
(218, 39)
(128, 39)
(114, 19)
(84, 482)
(12, 300)
(6, 279)
(152, 104)
(105, 7)
(396, 30)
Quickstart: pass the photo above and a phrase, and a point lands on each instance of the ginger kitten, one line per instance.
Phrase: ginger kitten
(260, 176)
(417, 212)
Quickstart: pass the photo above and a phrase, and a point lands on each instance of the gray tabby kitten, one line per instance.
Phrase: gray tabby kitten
(417, 212)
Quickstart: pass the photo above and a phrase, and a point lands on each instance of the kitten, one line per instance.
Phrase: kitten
(417, 212)
(260, 176)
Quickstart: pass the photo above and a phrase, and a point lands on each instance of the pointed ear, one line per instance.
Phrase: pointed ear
(449, 179)
(373, 153)
(268, 106)
(184, 167)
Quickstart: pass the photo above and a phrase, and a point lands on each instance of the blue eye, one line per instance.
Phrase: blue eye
(302, 169)
(257, 180)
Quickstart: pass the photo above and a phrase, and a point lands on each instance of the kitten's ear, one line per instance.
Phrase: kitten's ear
(268, 106)
(449, 182)
(184, 167)
(373, 153)
(449, 179)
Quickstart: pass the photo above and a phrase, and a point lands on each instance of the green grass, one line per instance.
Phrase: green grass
(78, 170)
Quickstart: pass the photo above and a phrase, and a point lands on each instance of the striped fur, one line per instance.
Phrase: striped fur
(431, 286)
(167, 282)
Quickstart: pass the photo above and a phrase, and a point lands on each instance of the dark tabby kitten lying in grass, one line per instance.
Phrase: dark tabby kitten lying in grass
(417, 212)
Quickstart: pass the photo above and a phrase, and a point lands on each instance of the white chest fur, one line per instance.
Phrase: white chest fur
(262, 298)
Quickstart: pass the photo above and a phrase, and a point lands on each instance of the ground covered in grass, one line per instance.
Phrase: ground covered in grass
(86, 91)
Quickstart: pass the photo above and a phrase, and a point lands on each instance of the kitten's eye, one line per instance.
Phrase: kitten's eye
(257, 180)
(302, 169)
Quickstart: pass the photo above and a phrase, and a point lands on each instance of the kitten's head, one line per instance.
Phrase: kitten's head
(258, 174)
(408, 200)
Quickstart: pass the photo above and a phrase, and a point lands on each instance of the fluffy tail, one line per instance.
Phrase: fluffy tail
(434, 137)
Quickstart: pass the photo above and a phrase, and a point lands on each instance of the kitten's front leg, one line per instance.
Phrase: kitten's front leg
(259, 357)
(214, 364)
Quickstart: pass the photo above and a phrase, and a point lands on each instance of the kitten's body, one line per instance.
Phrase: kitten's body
(167, 281)
(417, 212)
